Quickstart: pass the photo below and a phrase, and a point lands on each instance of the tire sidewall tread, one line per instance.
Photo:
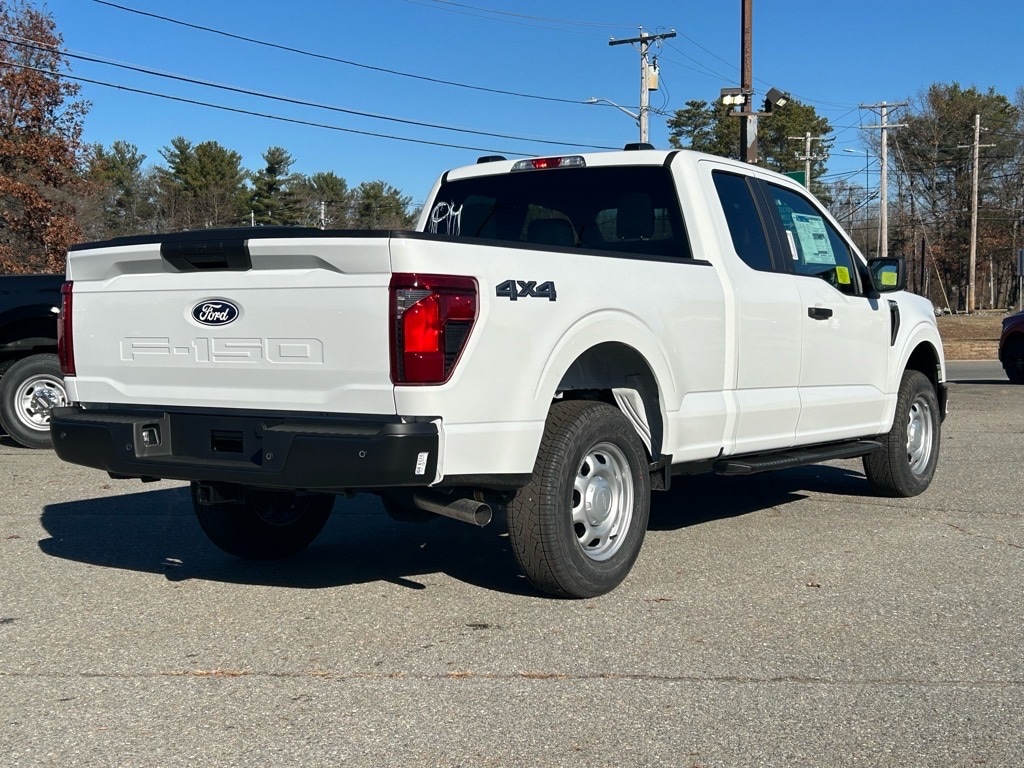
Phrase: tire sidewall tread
(539, 519)
(888, 470)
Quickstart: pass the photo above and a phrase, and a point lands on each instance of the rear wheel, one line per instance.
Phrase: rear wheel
(1013, 360)
(29, 390)
(576, 528)
(906, 464)
(263, 524)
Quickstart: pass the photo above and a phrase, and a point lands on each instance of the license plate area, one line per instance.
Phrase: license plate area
(218, 438)
(228, 441)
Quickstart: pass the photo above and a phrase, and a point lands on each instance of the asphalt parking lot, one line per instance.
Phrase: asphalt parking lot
(780, 620)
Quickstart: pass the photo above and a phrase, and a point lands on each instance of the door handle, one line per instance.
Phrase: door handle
(819, 313)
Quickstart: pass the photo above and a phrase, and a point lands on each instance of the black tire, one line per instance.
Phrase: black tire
(589, 451)
(906, 464)
(29, 389)
(1013, 360)
(266, 524)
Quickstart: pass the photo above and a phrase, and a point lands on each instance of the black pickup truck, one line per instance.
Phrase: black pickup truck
(31, 383)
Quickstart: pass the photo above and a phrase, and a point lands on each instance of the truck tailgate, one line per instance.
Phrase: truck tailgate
(300, 323)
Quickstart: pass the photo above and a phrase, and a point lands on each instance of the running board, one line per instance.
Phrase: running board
(796, 457)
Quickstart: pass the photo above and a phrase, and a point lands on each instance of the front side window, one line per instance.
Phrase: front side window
(626, 209)
(812, 245)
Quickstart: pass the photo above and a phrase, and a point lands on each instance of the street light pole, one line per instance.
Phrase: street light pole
(635, 116)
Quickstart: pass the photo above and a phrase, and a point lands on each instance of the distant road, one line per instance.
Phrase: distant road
(976, 371)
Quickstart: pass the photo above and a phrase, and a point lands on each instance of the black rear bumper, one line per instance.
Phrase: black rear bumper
(273, 450)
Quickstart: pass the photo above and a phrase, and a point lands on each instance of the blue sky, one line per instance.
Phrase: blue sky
(833, 55)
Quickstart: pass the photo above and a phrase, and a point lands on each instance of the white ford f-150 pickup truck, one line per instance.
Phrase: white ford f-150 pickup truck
(558, 338)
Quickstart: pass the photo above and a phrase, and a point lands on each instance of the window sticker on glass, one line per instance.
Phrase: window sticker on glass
(814, 240)
(842, 275)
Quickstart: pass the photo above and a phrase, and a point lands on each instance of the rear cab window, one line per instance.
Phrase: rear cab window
(629, 210)
(745, 226)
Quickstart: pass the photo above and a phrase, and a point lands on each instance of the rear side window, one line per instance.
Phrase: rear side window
(745, 226)
(630, 210)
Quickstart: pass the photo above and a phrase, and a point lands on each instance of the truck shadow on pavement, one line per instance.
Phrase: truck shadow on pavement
(156, 532)
(697, 499)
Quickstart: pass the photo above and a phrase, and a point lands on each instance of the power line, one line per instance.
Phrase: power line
(572, 22)
(289, 100)
(334, 59)
(253, 113)
(706, 69)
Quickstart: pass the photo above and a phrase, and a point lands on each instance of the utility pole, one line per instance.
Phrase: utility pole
(806, 156)
(883, 192)
(748, 116)
(645, 75)
(974, 212)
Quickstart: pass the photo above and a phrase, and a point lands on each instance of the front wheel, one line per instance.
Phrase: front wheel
(29, 390)
(906, 464)
(1013, 361)
(264, 524)
(576, 528)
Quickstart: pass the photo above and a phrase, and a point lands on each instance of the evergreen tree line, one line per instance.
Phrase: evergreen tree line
(204, 185)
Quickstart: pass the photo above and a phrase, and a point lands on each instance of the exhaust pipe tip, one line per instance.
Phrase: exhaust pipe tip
(465, 509)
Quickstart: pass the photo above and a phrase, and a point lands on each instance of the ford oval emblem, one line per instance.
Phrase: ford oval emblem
(215, 312)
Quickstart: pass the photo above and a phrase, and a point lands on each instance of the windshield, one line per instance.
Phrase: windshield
(626, 209)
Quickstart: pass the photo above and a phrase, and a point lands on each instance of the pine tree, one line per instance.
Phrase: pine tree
(274, 199)
(202, 186)
(324, 200)
(378, 205)
(122, 201)
(715, 128)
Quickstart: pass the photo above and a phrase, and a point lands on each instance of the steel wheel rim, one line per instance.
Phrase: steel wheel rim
(920, 429)
(602, 501)
(36, 398)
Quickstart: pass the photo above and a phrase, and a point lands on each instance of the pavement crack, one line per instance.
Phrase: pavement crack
(529, 675)
(973, 534)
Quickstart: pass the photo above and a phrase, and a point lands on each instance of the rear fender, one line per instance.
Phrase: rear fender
(584, 359)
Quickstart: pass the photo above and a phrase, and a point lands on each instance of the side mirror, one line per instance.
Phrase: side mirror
(888, 275)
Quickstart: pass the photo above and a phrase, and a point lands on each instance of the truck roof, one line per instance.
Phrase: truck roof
(496, 165)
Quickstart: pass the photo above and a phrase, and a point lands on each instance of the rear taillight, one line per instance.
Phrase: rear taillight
(431, 318)
(65, 341)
